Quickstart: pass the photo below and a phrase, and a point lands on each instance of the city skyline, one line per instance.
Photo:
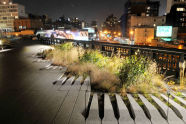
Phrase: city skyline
(96, 10)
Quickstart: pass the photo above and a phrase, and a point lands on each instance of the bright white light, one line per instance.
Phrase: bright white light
(68, 32)
(164, 31)
(180, 9)
(1, 43)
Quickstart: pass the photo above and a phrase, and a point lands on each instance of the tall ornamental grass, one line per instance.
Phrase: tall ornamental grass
(134, 74)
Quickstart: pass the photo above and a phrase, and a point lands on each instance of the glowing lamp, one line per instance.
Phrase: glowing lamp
(105, 32)
(131, 32)
(180, 47)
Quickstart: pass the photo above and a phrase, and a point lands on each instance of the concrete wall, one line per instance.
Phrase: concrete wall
(28, 24)
(143, 35)
(136, 21)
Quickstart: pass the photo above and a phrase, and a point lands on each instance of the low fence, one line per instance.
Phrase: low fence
(169, 60)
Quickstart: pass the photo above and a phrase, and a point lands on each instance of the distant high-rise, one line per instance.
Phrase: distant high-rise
(168, 6)
(177, 15)
(138, 8)
(170, 3)
(8, 13)
(5, 1)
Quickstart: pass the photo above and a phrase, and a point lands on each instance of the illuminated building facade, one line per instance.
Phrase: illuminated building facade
(27, 24)
(177, 15)
(10, 11)
(170, 3)
(138, 8)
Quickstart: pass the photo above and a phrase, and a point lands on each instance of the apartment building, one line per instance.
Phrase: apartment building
(10, 11)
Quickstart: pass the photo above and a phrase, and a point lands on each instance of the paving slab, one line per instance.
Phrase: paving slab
(137, 111)
(152, 111)
(93, 117)
(184, 94)
(167, 112)
(178, 109)
(67, 85)
(65, 112)
(77, 84)
(78, 114)
(54, 67)
(51, 107)
(28, 112)
(85, 86)
(109, 117)
(179, 99)
(123, 112)
(59, 83)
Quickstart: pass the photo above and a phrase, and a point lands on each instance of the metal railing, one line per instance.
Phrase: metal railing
(168, 59)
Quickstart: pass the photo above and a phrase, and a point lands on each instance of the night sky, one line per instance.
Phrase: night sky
(84, 9)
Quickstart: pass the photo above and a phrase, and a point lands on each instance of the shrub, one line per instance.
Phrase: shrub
(65, 46)
(138, 75)
(131, 69)
(111, 64)
(94, 57)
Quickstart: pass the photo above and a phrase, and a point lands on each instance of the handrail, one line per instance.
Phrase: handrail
(168, 60)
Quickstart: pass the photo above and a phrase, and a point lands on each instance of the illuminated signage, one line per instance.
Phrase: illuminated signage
(90, 30)
(164, 31)
(68, 34)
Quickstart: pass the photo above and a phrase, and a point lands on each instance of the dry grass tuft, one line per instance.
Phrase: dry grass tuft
(65, 58)
(101, 79)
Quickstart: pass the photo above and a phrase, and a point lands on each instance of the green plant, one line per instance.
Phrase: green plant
(94, 57)
(65, 46)
(179, 94)
(132, 68)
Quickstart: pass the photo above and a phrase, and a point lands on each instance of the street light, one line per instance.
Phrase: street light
(131, 35)
(131, 32)
(105, 32)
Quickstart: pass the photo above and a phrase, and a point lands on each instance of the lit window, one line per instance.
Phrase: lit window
(180, 9)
